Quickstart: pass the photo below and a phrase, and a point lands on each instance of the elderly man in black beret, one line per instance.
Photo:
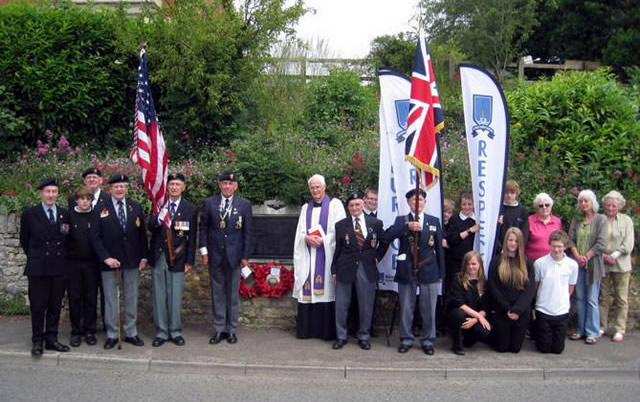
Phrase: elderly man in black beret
(119, 239)
(226, 226)
(91, 178)
(355, 261)
(423, 231)
(171, 259)
(43, 228)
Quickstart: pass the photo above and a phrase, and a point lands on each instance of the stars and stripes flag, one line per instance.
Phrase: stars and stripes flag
(425, 117)
(149, 150)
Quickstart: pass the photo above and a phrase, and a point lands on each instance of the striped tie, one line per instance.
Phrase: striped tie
(121, 215)
(359, 235)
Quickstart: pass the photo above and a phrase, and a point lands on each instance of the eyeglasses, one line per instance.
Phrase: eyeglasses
(544, 206)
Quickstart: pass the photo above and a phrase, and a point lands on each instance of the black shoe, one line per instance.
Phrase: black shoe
(90, 339)
(178, 340)
(75, 341)
(364, 344)
(57, 346)
(232, 338)
(110, 343)
(36, 349)
(218, 337)
(158, 342)
(338, 344)
(428, 350)
(403, 348)
(134, 340)
(459, 352)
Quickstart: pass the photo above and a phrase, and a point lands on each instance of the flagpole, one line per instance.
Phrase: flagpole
(416, 234)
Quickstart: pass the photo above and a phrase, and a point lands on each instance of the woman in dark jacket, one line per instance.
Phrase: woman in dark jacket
(466, 306)
(511, 291)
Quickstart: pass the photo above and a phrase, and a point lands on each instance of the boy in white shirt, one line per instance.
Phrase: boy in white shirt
(556, 277)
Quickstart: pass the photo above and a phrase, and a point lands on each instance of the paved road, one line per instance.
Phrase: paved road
(28, 382)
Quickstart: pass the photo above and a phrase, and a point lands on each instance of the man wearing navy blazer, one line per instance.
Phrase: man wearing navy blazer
(429, 274)
(168, 276)
(226, 225)
(42, 236)
(354, 261)
(119, 238)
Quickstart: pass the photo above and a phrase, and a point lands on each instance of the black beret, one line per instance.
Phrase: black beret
(227, 176)
(354, 196)
(91, 170)
(412, 192)
(118, 178)
(51, 181)
(176, 176)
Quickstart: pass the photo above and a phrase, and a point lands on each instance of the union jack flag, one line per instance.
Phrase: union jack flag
(425, 118)
(149, 150)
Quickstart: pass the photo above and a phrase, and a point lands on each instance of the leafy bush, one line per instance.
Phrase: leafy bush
(13, 305)
(337, 103)
(579, 130)
(63, 70)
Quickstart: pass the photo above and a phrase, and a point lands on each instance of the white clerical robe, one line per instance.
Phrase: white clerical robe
(304, 257)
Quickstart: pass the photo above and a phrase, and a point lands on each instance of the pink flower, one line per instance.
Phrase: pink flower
(575, 190)
(629, 171)
(346, 179)
(520, 155)
(617, 172)
(562, 191)
(63, 142)
(28, 186)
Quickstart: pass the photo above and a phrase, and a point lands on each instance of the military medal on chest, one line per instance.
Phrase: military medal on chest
(224, 213)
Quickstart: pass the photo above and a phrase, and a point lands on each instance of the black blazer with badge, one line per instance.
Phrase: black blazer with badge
(348, 255)
(184, 229)
(232, 240)
(431, 267)
(110, 241)
(42, 242)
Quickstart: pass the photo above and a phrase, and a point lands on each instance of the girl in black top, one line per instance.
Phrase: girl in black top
(511, 291)
(466, 307)
(460, 235)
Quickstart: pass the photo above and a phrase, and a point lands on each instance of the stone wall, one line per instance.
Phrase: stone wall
(258, 312)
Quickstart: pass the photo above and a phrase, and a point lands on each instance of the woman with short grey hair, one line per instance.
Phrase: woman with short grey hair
(541, 224)
(617, 263)
(588, 234)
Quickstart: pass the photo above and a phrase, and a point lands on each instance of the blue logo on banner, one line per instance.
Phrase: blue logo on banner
(482, 115)
(402, 113)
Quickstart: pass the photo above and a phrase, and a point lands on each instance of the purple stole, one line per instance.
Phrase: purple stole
(318, 275)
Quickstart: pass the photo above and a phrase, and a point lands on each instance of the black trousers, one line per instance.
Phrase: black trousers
(508, 335)
(464, 337)
(551, 332)
(82, 291)
(45, 302)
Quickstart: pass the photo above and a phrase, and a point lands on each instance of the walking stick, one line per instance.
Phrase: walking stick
(118, 280)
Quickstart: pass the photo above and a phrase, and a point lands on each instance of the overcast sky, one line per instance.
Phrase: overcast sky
(348, 26)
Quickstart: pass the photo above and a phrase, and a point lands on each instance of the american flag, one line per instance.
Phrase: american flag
(149, 149)
(425, 118)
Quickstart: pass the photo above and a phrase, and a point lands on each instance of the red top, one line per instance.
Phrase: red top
(539, 232)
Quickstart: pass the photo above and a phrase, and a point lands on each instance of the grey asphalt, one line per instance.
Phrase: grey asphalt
(276, 352)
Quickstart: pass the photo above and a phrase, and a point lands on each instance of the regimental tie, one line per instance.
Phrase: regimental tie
(172, 210)
(121, 216)
(52, 219)
(359, 235)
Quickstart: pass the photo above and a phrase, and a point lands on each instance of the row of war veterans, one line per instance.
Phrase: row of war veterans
(102, 238)
(333, 254)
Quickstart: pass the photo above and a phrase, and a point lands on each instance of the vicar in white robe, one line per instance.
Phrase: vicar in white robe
(313, 251)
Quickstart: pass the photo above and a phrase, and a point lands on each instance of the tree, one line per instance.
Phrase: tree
(203, 58)
(602, 30)
(393, 51)
(491, 32)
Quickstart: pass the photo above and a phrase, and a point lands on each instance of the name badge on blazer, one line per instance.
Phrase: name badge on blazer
(104, 213)
(374, 238)
(239, 223)
(432, 228)
(64, 228)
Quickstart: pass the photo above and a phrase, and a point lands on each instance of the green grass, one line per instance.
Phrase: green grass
(13, 305)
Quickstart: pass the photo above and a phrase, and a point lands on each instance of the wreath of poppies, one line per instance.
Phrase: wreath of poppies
(261, 287)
